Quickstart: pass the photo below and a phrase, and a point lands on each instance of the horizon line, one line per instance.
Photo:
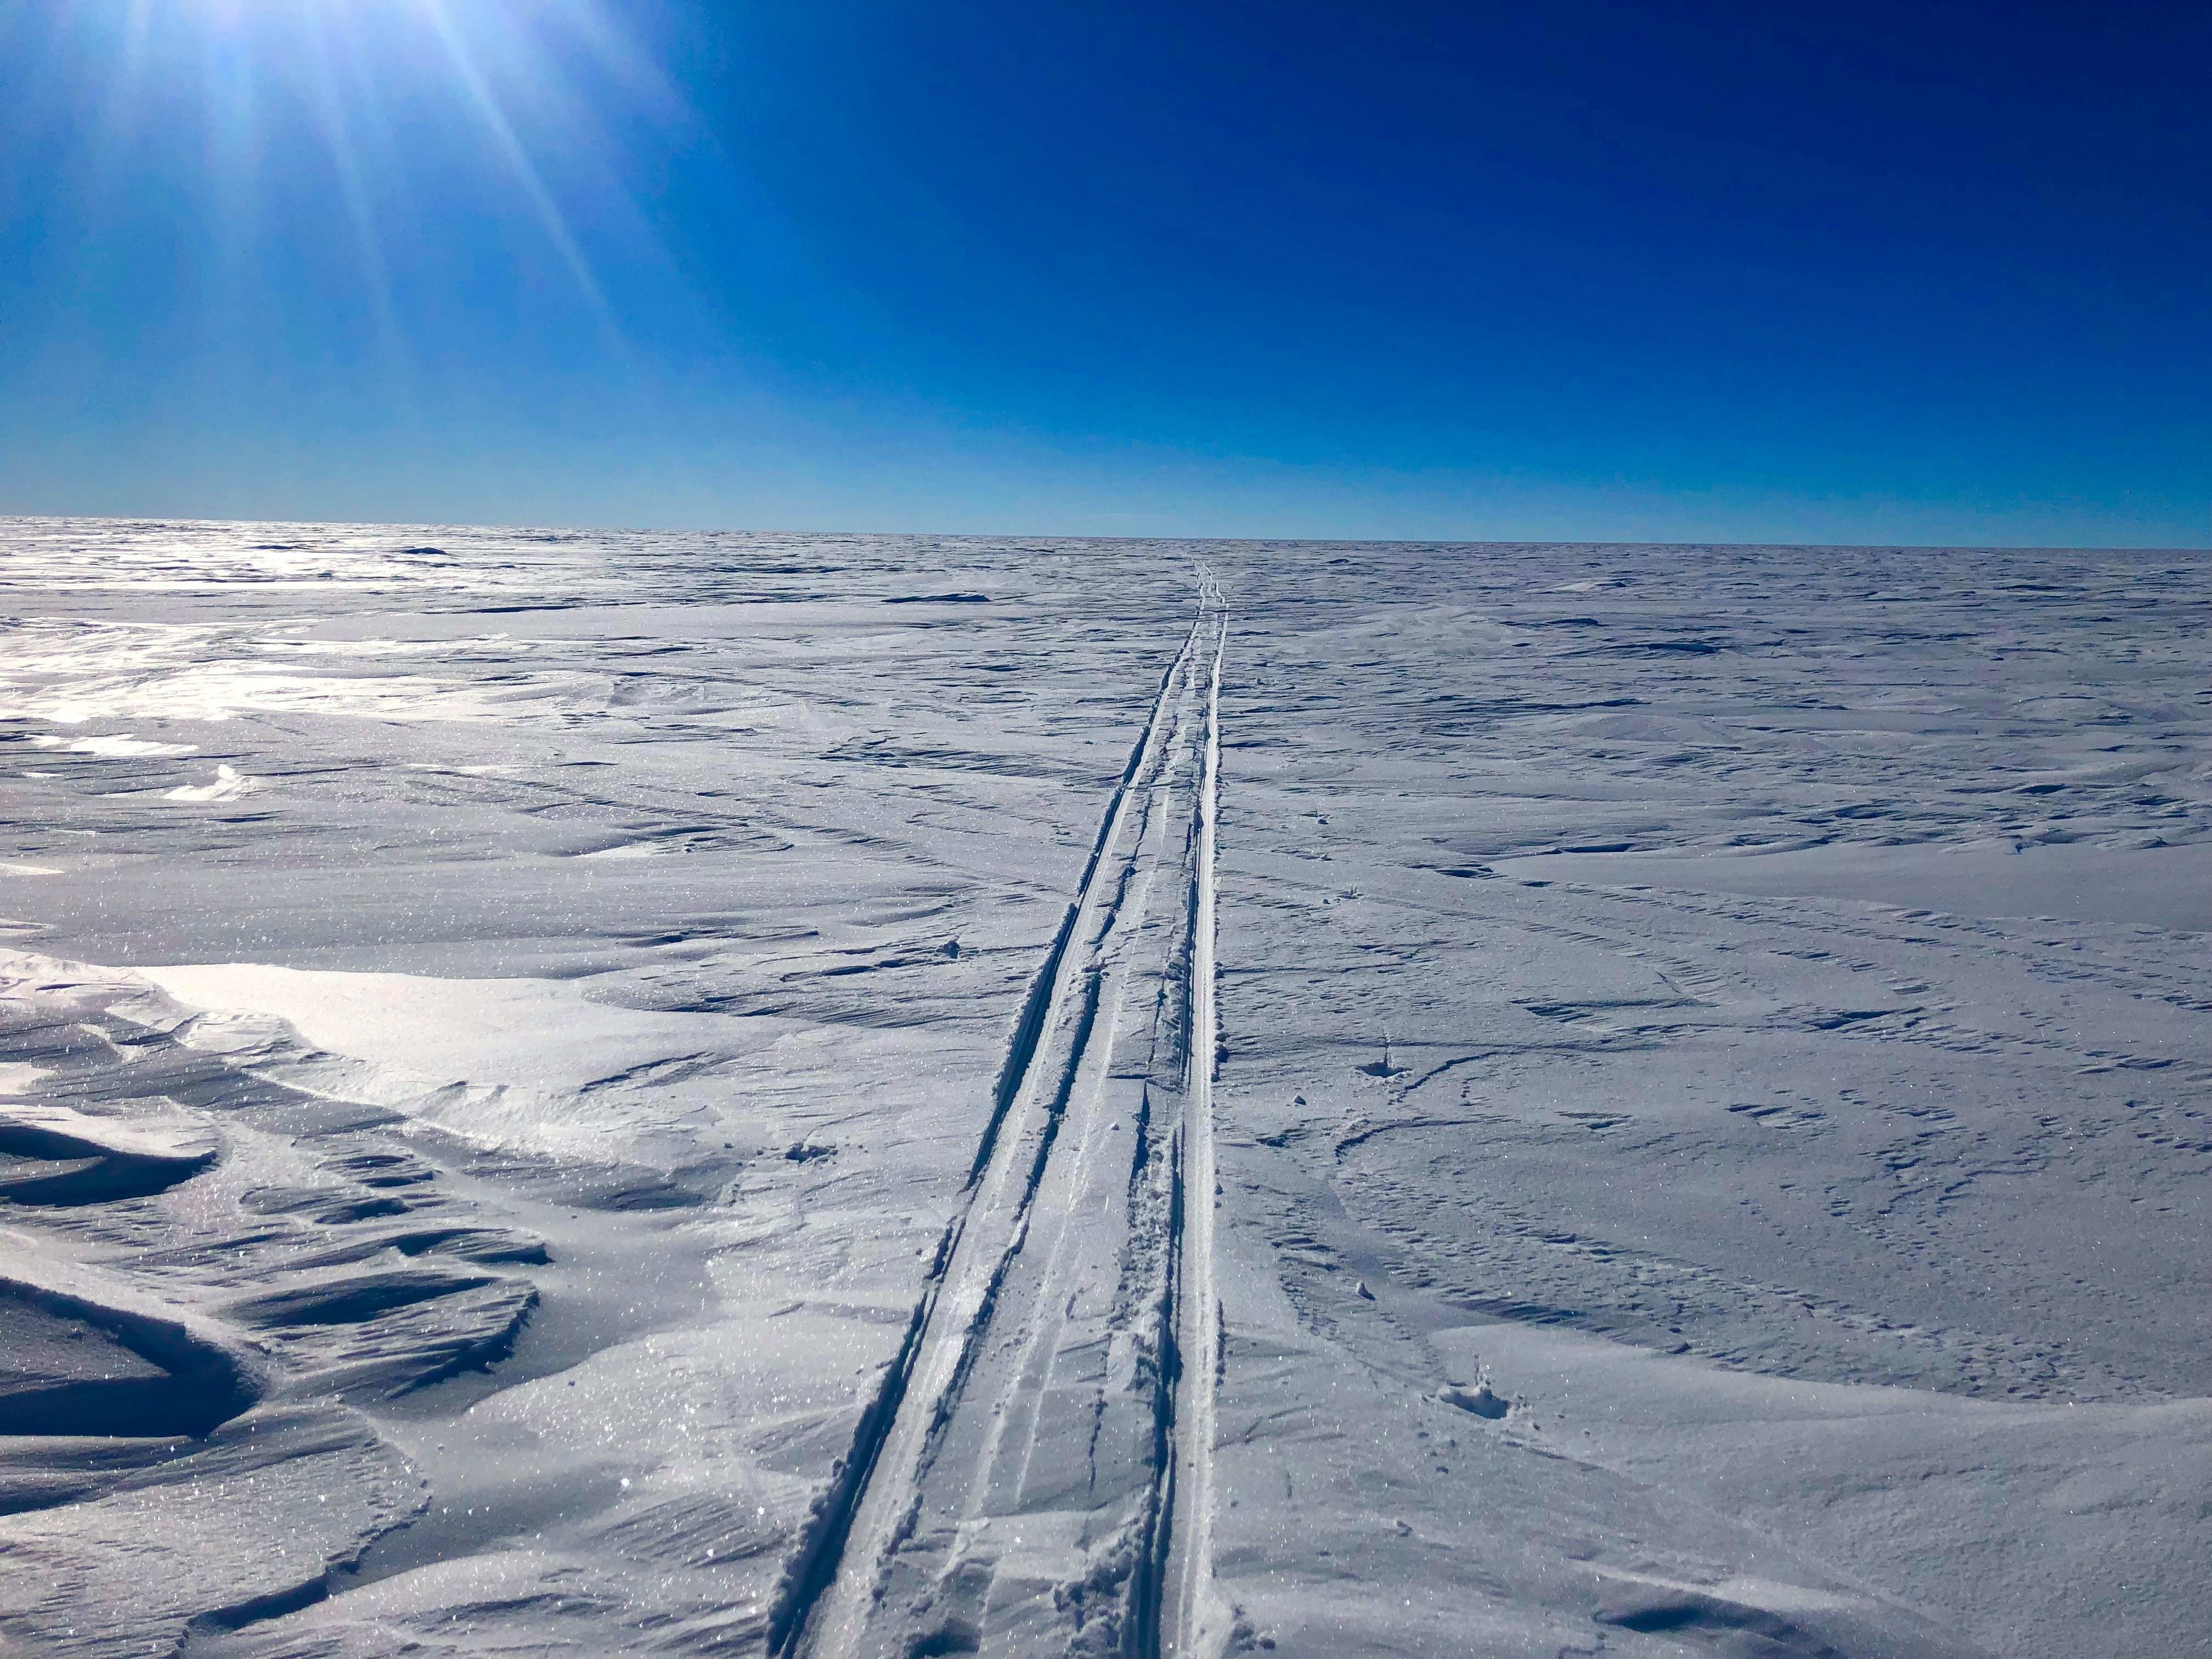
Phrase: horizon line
(1053, 536)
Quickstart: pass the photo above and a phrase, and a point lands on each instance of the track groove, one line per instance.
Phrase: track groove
(1014, 1489)
(1193, 1621)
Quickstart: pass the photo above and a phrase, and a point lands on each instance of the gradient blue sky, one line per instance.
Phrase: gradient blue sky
(1875, 272)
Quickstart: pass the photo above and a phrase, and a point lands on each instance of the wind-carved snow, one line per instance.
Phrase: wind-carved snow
(832, 1094)
(228, 784)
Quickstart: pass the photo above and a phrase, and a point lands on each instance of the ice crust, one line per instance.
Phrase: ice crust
(565, 1092)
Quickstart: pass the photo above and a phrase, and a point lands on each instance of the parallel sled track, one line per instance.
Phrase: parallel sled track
(1194, 1619)
(1035, 1477)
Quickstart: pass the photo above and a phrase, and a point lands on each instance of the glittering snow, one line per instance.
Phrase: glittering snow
(828, 1095)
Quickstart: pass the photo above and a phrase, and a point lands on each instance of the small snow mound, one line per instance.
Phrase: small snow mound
(628, 849)
(121, 745)
(1482, 1400)
(229, 784)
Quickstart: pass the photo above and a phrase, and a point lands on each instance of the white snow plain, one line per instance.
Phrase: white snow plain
(571, 1093)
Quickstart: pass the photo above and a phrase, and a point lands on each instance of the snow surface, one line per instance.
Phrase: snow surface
(818, 1095)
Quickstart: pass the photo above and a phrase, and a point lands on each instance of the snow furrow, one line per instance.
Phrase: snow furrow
(1193, 1619)
(1013, 1475)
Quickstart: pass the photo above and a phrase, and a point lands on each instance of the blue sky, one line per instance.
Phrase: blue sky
(1886, 272)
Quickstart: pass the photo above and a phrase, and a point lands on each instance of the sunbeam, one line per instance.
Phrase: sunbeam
(493, 113)
(272, 117)
(335, 111)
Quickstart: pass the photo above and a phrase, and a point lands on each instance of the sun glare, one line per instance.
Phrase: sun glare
(522, 94)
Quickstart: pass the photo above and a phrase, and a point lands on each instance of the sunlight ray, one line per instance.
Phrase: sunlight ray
(494, 116)
(332, 113)
(617, 53)
(121, 109)
(231, 138)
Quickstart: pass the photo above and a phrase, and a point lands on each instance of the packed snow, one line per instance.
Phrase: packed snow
(809, 1095)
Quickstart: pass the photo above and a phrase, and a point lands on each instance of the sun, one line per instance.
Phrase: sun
(518, 93)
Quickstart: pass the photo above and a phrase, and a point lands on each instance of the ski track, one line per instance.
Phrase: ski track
(1036, 1474)
(1195, 1622)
